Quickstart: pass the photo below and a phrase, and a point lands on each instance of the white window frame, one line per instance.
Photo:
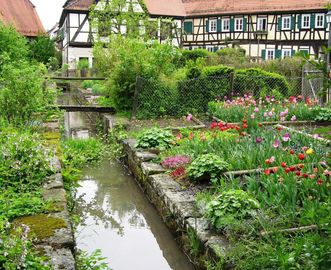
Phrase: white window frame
(226, 29)
(284, 26)
(286, 53)
(272, 54)
(317, 16)
(303, 20)
(259, 26)
(210, 48)
(238, 22)
(213, 25)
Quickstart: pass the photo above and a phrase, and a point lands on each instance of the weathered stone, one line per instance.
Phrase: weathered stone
(130, 143)
(55, 195)
(61, 259)
(54, 181)
(149, 168)
(144, 156)
(201, 227)
(216, 246)
(163, 182)
(55, 165)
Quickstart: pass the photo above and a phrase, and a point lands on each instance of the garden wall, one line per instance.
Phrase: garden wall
(176, 206)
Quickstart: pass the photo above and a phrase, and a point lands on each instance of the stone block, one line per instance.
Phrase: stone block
(216, 246)
(55, 195)
(54, 181)
(55, 165)
(144, 156)
(61, 259)
(149, 168)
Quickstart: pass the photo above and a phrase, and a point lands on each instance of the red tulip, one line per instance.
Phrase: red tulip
(283, 164)
(287, 170)
(319, 182)
(267, 171)
(292, 152)
(301, 156)
(305, 175)
(292, 168)
(298, 173)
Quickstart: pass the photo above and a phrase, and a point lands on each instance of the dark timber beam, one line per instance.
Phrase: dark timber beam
(83, 108)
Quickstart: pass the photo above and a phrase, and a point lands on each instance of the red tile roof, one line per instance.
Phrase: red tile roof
(213, 7)
(78, 4)
(23, 16)
(187, 8)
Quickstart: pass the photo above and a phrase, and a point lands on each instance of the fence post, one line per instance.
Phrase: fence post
(135, 98)
(231, 85)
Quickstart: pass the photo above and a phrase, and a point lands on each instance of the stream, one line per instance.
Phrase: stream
(115, 215)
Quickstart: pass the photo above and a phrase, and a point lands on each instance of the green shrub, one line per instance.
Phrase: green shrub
(323, 115)
(83, 64)
(255, 81)
(207, 166)
(24, 163)
(77, 153)
(87, 84)
(229, 206)
(193, 55)
(42, 49)
(234, 57)
(155, 138)
(217, 71)
(21, 93)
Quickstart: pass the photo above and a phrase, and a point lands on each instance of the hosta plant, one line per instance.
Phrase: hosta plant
(155, 138)
(230, 206)
(207, 166)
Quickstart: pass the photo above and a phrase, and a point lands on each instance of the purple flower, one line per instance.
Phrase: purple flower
(293, 118)
(189, 117)
(175, 162)
(286, 137)
(256, 109)
(259, 140)
(316, 136)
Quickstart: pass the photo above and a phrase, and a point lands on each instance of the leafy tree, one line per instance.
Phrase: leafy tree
(42, 49)
(21, 93)
(13, 47)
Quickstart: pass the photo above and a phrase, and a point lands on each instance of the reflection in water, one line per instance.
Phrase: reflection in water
(115, 215)
(119, 220)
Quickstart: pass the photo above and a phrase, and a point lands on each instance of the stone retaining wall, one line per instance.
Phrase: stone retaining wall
(176, 205)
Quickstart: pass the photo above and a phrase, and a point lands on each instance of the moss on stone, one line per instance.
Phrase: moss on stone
(41, 226)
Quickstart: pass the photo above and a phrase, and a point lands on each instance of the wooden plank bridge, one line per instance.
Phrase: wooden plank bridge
(87, 108)
(77, 78)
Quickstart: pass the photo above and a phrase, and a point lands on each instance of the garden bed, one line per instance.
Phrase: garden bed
(263, 181)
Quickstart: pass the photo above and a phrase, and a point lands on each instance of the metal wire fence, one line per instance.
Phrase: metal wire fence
(154, 98)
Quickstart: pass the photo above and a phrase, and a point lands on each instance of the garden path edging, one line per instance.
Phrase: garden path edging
(175, 204)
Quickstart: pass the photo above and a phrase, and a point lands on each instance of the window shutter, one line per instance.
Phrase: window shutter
(312, 21)
(207, 26)
(280, 24)
(293, 53)
(245, 24)
(188, 27)
(219, 26)
(231, 25)
(324, 22)
(278, 53)
(299, 21)
(305, 52)
(293, 22)
(215, 49)
(263, 54)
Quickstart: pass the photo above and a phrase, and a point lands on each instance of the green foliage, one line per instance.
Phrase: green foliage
(253, 80)
(229, 206)
(16, 250)
(42, 49)
(323, 115)
(77, 153)
(82, 64)
(155, 138)
(217, 71)
(24, 163)
(232, 57)
(93, 261)
(21, 93)
(13, 47)
(125, 59)
(13, 204)
(192, 55)
(207, 166)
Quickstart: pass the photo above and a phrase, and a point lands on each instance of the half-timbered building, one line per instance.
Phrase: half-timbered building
(22, 15)
(264, 29)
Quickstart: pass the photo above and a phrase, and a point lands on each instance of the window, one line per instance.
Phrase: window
(286, 53)
(270, 54)
(319, 21)
(286, 23)
(226, 25)
(262, 24)
(210, 48)
(213, 26)
(305, 21)
(238, 24)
